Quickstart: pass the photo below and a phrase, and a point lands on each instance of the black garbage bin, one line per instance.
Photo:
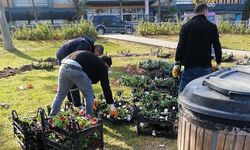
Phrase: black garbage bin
(215, 111)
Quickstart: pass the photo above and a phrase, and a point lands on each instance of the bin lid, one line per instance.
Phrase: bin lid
(223, 94)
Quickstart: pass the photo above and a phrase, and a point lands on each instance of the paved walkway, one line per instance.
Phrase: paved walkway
(161, 43)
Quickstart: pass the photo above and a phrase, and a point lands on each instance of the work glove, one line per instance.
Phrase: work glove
(215, 66)
(176, 70)
(113, 111)
(95, 106)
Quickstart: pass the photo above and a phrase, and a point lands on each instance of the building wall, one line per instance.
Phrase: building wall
(6, 3)
(28, 3)
(62, 4)
(215, 1)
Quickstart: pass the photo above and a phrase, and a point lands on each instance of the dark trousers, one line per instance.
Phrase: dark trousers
(74, 96)
(192, 73)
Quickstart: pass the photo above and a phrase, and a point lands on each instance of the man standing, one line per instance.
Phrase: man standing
(194, 47)
(86, 44)
(84, 69)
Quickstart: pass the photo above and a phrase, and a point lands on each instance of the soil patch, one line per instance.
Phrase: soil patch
(130, 69)
(46, 64)
(8, 71)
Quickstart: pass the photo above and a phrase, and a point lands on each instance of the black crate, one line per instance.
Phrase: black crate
(162, 127)
(72, 136)
(115, 121)
(29, 138)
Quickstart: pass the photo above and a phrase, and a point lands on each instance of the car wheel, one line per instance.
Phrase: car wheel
(129, 30)
(100, 30)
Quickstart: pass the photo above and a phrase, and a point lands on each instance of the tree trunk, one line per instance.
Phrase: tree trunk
(159, 11)
(34, 11)
(8, 44)
(121, 9)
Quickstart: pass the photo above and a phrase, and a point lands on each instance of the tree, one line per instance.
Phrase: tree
(35, 11)
(196, 2)
(121, 12)
(8, 44)
(80, 7)
(246, 11)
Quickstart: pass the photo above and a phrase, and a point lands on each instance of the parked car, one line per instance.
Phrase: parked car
(111, 24)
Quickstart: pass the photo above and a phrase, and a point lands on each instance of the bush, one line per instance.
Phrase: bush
(148, 28)
(45, 32)
(225, 27)
(168, 28)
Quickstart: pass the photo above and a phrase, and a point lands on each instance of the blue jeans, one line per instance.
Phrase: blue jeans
(67, 78)
(192, 73)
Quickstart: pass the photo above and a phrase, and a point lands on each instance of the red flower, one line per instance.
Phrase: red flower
(81, 112)
(53, 126)
(94, 121)
(62, 118)
(80, 126)
(50, 121)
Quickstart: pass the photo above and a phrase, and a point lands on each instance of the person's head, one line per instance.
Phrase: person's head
(201, 9)
(98, 50)
(91, 39)
(107, 60)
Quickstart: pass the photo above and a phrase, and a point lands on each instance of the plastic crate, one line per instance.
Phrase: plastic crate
(29, 138)
(72, 136)
(159, 127)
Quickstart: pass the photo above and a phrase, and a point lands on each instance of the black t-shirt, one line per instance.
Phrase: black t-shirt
(96, 70)
(73, 45)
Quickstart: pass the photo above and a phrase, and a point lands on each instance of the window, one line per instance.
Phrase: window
(116, 20)
(28, 3)
(106, 20)
(61, 1)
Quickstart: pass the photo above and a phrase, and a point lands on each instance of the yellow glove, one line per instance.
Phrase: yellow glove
(95, 106)
(113, 111)
(176, 71)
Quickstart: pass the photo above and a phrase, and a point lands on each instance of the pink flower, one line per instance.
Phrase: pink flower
(88, 116)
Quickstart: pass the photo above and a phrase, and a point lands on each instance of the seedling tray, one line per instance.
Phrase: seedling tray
(161, 127)
(29, 138)
(73, 136)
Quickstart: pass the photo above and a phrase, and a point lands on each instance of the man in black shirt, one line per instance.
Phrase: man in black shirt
(86, 43)
(83, 69)
(194, 47)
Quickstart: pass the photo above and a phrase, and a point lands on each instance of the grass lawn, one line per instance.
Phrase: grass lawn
(44, 82)
(228, 41)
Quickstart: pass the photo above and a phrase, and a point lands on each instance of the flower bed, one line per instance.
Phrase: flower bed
(153, 65)
(168, 85)
(28, 131)
(227, 57)
(156, 114)
(73, 130)
(135, 81)
(42, 65)
(122, 104)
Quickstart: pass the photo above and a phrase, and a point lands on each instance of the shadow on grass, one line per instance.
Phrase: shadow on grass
(22, 55)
